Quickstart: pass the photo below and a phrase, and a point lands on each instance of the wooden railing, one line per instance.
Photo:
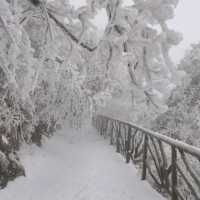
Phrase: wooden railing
(171, 166)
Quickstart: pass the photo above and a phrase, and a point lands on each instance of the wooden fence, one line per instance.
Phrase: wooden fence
(171, 166)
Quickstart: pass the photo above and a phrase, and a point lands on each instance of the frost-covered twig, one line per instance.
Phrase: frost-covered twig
(73, 37)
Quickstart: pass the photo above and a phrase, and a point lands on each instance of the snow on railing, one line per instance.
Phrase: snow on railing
(171, 166)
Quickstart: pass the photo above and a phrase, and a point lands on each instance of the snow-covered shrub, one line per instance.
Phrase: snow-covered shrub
(182, 118)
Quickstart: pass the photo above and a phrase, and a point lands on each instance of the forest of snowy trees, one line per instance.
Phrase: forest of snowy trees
(56, 69)
(181, 120)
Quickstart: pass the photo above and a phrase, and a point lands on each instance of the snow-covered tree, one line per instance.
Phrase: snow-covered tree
(182, 119)
(133, 54)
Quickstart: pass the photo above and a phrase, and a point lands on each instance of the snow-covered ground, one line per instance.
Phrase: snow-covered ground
(77, 166)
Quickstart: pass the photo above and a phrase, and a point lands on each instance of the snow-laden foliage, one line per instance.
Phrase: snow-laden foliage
(40, 80)
(54, 68)
(182, 120)
(134, 52)
(139, 41)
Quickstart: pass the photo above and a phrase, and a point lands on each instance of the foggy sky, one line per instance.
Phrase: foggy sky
(186, 21)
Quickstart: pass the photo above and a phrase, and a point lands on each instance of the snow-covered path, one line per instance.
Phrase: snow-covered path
(77, 167)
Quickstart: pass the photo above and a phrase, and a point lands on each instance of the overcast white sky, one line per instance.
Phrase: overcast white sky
(186, 21)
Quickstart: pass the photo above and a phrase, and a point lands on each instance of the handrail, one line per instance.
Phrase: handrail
(177, 143)
(163, 160)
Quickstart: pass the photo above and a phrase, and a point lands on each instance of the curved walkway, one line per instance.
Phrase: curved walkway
(77, 166)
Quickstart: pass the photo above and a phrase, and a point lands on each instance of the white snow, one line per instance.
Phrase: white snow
(77, 166)
(4, 139)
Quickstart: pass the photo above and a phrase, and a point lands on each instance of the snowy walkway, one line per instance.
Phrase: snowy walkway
(68, 169)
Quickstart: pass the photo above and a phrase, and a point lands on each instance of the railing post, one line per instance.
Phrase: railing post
(127, 144)
(174, 178)
(117, 140)
(105, 128)
(98, 124)
(111, 133)
(144, 159)
(101, 126)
